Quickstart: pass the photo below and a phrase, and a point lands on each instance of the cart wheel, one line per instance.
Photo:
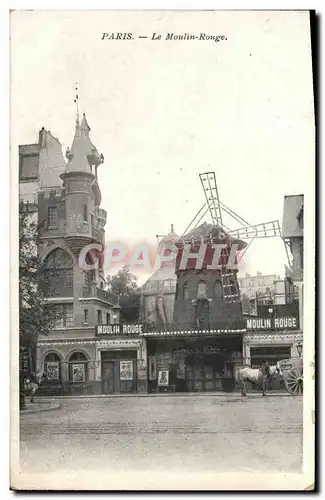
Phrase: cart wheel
(294, 382)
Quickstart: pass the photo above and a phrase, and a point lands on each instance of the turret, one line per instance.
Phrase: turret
(81, 190)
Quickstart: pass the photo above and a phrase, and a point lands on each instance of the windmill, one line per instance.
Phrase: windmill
(244, 230)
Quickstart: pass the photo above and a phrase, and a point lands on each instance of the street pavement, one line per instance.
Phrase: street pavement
(192, 433)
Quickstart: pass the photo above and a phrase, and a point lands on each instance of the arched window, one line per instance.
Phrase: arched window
(78, 367)
(57, 274)
(201, 290)
(52, 366)
(186, 290)
(218, 290)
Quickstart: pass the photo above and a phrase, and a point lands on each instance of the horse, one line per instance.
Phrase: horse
(32, 384)
(259, 376)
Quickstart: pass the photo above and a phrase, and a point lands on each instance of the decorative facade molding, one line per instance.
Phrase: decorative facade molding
(188, 333)
(99, 343)
(273, 338)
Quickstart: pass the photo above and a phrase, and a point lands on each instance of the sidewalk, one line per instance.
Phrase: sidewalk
(39, 406)
(164, 394)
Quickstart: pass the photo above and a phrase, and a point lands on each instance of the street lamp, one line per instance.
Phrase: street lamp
(299, 349)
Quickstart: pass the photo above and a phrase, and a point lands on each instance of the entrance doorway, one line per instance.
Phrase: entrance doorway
(119, 372)
(209, 372)
(107, 377)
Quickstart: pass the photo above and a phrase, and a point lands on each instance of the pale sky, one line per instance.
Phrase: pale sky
(163, 111)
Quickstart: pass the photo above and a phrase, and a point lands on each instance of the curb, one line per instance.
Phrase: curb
(163, 395)
(50, 407)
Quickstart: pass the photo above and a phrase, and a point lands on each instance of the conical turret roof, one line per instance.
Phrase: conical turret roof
(83, 153)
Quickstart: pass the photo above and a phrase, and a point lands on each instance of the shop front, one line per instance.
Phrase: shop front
(272, 337)
(112, 361)
(194, 363)
(121, 365)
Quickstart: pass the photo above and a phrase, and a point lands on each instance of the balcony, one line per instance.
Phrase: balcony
(97, 235)
(94, 291)
(102, 215)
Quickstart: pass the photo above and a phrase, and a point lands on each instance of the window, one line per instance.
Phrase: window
(28, 167)
(186, 291)
(85, 315)
(108, 318)
(201, 290)
(218, 290)
(85, 213)
(57, 274)
(52, 366)
(52, 216)
(101, 284)
(99, 317)
(63, 315)
(78, 367)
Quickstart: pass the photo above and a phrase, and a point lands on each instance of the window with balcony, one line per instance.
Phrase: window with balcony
(52, 217)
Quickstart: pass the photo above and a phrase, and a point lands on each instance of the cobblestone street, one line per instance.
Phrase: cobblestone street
(221, 433)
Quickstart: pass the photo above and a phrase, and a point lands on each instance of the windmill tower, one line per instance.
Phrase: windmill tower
(208, 297)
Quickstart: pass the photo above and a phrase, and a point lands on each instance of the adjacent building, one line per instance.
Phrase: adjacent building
(276, 331)
(158, 292)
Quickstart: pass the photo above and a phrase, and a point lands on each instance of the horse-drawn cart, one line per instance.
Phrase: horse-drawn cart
(293, 375)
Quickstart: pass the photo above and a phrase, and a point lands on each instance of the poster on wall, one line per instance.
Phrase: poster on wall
(163, 378)
(126, 370)
(52, 370)
(78, 372)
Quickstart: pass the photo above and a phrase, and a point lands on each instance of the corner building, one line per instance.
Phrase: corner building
(65, 199)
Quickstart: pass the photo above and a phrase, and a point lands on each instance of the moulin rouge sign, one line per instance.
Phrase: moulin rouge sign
(118, 329)
(280, 323)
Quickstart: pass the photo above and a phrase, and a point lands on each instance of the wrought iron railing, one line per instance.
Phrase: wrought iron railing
(100, 293)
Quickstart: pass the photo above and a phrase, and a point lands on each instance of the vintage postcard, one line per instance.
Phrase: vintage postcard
(163, 302)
